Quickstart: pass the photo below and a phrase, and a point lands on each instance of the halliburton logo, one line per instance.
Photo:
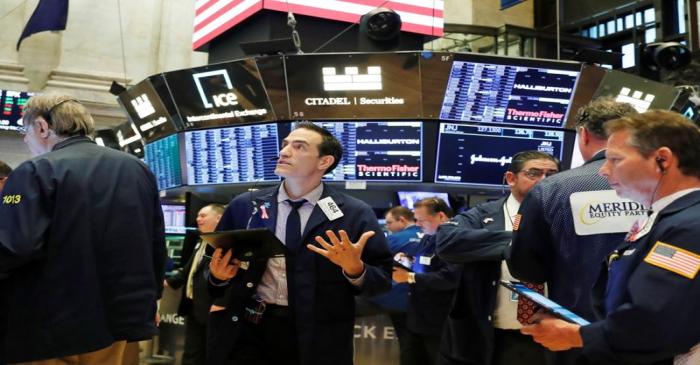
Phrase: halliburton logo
(352, 80)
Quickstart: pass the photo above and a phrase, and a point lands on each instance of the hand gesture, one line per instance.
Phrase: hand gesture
(553, 333)
(342, 252)
(400, 275)
(221, 265)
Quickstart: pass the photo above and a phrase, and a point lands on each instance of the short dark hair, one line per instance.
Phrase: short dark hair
(434, 205)
(401, 211)
(5, 170)
(329, 145)
(654, 129)
(596, 113)
(519, 159)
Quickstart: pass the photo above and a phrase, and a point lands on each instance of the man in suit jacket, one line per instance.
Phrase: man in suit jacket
(298, 309)
(195, 300)
(647, 293)
(482, 327)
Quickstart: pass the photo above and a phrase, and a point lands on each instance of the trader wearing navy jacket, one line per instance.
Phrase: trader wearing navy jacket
(298, 309)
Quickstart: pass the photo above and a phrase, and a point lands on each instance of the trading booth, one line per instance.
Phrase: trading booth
(411, 124)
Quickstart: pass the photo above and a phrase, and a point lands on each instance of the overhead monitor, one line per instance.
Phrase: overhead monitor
(220, 94)
(12, 106)
(129, 139)
(163, 158)
(498, 90)
(409, 198)
(242, 154)
(480, 155)
(639, 92)
(174, 217)
(358, 85)
(378, 150)
(147, 111)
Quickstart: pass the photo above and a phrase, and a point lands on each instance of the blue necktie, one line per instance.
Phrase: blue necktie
(292, 238)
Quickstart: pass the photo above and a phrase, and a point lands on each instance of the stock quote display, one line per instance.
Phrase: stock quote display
(163, 157)
(242, 154)
(377, 151)
(480, 155)
(509, 94)
(12, 105)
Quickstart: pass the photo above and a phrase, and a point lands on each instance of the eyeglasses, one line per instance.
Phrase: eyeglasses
(534, 173)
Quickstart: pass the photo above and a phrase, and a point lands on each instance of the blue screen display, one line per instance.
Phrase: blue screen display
(163, 157)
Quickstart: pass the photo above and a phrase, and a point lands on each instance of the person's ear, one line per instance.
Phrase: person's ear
(510, 178)
(326, 162)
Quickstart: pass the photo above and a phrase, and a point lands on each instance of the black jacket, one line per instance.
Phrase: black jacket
(477, 240)
(320, 296)
(197, 308)
(82, 242)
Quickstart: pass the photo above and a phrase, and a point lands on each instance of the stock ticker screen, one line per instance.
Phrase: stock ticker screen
(377, 151)
(163, 157)
(174, 217)
(12, 105)
(241, 154)
(480, 155)
(536, 96)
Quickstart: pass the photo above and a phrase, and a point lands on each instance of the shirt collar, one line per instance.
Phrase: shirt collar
(662, 203)
(312, 196)
(513, 205)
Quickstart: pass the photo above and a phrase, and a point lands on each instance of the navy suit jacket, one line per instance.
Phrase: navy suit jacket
(478, 240)
(320, 296)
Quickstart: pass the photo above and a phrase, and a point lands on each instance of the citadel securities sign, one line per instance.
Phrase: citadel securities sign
(596, 212)
(333, 86)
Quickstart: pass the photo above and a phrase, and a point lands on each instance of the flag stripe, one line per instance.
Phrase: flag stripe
(213, 17)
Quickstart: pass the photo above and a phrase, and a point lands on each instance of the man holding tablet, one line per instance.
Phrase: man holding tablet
(648, 292)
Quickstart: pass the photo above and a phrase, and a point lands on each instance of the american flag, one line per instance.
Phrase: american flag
(213, 17)
(674, 259)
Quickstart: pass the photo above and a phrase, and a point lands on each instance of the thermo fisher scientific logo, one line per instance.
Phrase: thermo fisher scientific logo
(220, 99)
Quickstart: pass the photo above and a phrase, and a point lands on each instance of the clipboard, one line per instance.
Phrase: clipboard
(544, 302)
(247, 244)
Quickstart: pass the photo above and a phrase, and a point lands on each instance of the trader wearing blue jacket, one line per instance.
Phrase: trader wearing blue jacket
(298, 309)
(648, 292)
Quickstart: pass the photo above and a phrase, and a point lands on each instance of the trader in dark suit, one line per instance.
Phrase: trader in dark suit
(298, 309)
(648, 291)
(195, 301)
(553, 244)
(431, 284)
(482, 327)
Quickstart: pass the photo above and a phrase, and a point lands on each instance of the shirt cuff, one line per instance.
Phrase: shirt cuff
(358, 280)
(216, 282)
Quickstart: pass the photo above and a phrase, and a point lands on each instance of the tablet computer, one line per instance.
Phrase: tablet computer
(545, 303)
(401, 265)
(247, 244)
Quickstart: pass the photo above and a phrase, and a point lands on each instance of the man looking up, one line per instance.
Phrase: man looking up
(298, 309)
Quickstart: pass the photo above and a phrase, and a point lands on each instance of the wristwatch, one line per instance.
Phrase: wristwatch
(411, 278)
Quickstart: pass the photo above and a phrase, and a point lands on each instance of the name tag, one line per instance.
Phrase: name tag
(330, 208)
(598, 212)
(425, 260)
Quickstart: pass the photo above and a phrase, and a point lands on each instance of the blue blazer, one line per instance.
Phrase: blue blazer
(320, 296)
(478, 240)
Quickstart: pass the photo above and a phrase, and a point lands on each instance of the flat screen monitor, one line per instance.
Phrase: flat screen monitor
(220, 94)
(147, 111)
(480, 155)
(498, 90)
(409, 198)
(378, 151)
(163, 157)
(639, 92)
(357, 85)
(12, 106)
(243, 154)
(174, 216)
(129, 138)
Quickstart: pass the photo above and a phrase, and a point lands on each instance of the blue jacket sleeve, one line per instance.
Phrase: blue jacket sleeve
(376, 256)
(463, 240)
(531, 255)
